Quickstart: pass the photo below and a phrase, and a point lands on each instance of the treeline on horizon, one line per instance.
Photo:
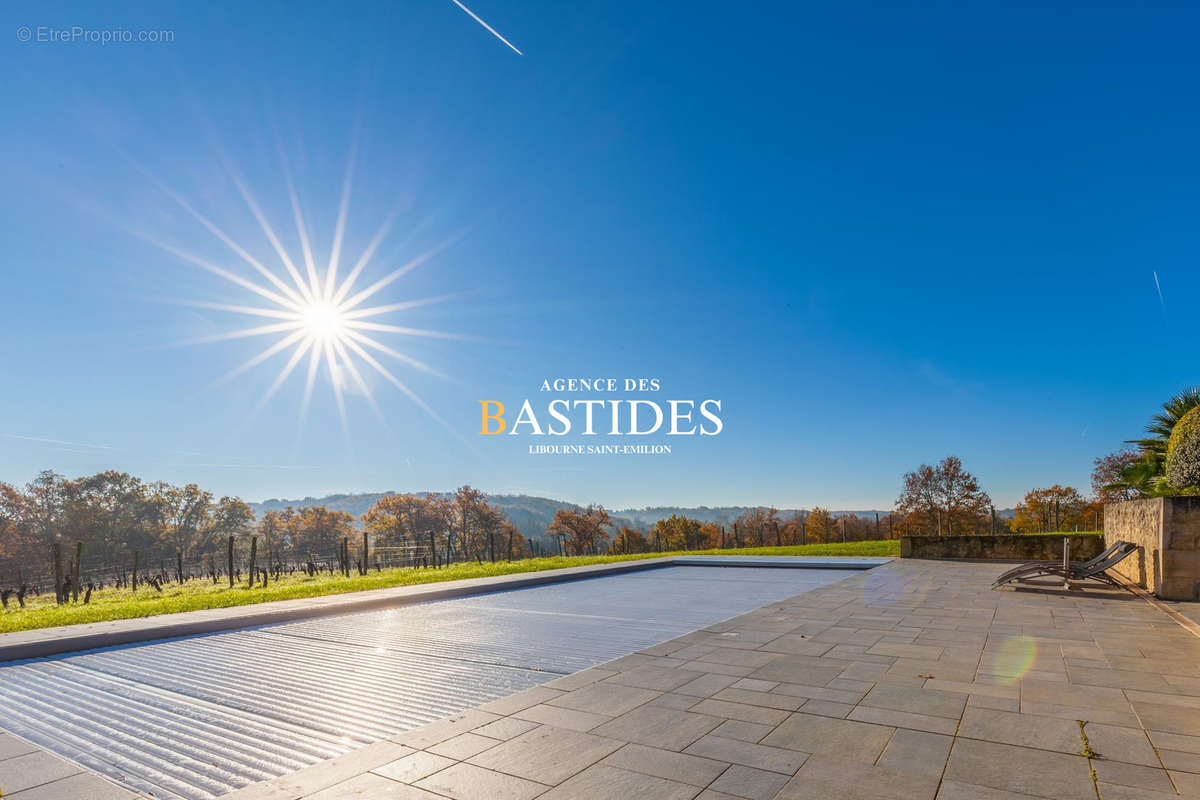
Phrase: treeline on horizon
(109, 521)
(116, 521)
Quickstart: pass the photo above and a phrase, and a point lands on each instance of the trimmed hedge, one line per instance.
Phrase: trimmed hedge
(1183, 452)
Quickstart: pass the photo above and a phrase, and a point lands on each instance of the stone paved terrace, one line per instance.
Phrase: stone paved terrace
(913, 680)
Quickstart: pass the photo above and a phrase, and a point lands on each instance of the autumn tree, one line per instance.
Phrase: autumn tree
(489, 522)
(793, 529)
(230, 517)
(16, 539)
(115, 503)
(320, 530)
(818, 525)
(1110, 474)
(114, 516)
(943, 499)
(272, 529)
(708, 537)
(580, 532)
(629, 540)
(183, 512)
(44, 507)
(676, 533)
(760, 527)
(1058, 508)
(467, 504)
(393, 520)
(515, 545)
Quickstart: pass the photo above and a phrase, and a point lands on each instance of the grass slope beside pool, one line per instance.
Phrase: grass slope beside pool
(110, 604)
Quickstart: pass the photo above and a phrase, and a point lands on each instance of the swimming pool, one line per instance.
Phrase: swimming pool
(199, 716)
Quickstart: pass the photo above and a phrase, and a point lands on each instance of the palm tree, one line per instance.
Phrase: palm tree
(1162, 424)
(1147, 475)
(1144, 476)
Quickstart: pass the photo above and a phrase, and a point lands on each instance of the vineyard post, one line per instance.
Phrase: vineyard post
(253, 558)
(58, 573)
(179, 566)
(230, 562)
(77, 570)
(135, 566)
(366, 551)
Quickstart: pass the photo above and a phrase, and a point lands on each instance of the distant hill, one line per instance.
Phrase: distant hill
(722, 515)
(533, 514)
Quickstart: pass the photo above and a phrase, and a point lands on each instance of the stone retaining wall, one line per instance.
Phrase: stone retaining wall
(1012, 546)
(1167, 532)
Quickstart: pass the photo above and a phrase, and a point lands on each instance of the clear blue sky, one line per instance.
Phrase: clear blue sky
(879, 234)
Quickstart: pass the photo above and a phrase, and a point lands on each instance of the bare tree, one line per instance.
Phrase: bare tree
(945, 499)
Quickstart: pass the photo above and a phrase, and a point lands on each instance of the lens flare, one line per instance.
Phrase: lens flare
(1011, 659)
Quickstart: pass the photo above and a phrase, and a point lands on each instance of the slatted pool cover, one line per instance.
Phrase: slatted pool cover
(203, 715)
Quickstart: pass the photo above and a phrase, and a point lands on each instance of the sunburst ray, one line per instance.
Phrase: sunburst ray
(280, 345)
(255, 311)
(375, 311)
(396, 354)
(339, 229)
(382, 370)
(261, 330)
(358, 379)
(216, 231)
(366, 256)
(273, 239)
(287, 370)
(395, 275)
(406, 331)
(339, 396)
(224, 273)
(301, 230)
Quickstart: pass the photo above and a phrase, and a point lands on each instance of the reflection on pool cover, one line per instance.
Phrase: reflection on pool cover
(200, 716)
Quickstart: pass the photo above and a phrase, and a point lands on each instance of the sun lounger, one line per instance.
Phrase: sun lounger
(1095, 568)
(1091, 562)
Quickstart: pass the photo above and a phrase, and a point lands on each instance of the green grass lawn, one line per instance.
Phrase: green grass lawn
(110, 604)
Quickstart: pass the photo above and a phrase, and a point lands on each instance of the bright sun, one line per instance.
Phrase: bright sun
(317, 321)
(323, 321)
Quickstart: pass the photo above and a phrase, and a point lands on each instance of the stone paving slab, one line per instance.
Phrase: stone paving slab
(912, 681)
(29, 773)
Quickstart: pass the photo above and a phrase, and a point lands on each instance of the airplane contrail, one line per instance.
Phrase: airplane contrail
(493, 31)
(44, 440)
(1161, 302)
